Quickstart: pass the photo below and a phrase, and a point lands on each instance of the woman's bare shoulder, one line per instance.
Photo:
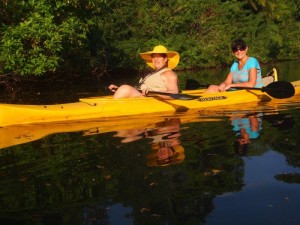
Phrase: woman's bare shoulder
(169, 73)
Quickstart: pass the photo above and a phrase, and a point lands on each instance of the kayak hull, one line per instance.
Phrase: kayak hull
(107, 107)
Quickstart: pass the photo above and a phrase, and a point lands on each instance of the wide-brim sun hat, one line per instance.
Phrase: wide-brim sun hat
(173, 57)
(178, 157)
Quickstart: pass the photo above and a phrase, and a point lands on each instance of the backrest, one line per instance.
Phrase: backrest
(270, 77)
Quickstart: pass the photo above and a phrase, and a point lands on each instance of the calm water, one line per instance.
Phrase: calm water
(238, 166)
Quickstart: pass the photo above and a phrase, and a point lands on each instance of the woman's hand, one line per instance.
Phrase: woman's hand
(222, 87)
(227, 87)
(145, 92)
(113, 87)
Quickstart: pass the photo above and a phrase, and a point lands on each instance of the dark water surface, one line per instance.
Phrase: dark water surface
(238, 166)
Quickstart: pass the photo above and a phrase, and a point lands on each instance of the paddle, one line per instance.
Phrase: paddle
(192, 84)
(277, 89)
(174, 96)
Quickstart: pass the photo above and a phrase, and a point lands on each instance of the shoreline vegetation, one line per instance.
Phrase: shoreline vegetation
(45, 41)
(37, 89)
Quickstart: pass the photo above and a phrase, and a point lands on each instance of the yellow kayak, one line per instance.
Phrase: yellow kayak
(107, 107)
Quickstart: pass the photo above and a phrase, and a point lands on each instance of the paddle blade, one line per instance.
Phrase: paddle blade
(280, 89)
(192, 84)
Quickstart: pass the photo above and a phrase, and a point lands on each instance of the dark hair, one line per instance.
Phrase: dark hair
(162, 54)
(238, 44)
(241, 149)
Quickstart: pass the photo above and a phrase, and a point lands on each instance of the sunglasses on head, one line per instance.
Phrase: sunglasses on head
(241, 48)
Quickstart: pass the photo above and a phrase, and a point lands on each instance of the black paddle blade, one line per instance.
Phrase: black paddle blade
(192, 84)
(280, 89)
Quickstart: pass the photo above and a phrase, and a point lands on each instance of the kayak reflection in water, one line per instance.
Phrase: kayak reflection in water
(246, 127)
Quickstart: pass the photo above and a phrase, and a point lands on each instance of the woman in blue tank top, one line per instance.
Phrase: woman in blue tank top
(244, 72)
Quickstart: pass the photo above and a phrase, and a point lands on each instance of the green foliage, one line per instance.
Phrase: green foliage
(32, 47)
(43, 34)
(40, 36)
(201, 31)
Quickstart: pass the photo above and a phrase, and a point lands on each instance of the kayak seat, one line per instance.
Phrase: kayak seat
(270, 77)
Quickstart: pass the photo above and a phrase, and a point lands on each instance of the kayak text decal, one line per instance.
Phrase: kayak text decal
(211, 98)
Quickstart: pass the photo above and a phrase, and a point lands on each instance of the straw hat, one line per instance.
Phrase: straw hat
(173, 57)
(179, 156)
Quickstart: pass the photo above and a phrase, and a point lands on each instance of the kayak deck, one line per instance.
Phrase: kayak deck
(107, 107)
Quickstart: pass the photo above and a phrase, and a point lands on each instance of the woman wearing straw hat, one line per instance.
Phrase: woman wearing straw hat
(163, 79)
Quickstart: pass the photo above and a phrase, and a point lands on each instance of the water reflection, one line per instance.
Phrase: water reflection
(291, 178)
(130, 128)
(80, 177)
(246, 127)
(282, 121)
(166, 145)
(93, 171)
(166, 148)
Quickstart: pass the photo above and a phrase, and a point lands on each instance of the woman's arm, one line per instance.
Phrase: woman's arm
(250, 83)
(171, 80)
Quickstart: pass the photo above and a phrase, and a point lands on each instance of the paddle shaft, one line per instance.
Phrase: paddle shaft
(249, 88)
(174, 96)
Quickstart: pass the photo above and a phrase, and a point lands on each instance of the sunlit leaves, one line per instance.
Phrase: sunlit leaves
(31, 46)
(39, 36)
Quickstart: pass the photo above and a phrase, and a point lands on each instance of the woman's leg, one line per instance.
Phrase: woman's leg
(212, 89)
(127, 91)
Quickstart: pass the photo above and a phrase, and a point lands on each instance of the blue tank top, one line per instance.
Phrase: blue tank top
(239, 123)
(239, 76)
